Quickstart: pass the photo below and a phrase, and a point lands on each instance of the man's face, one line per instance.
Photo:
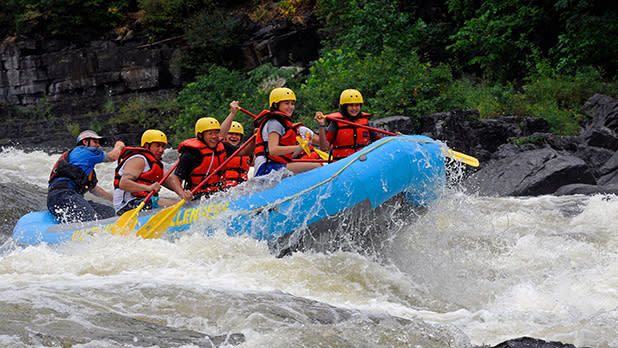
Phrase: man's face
(90, 142)
(233, 138)
(211, 137)
(157, 149)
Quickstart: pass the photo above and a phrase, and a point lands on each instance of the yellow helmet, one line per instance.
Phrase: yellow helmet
(236, 127)
(350, 96)
(281, 93)
(206, 123)
(153, 135)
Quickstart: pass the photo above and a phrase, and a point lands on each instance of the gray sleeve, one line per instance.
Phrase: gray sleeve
(272, 126)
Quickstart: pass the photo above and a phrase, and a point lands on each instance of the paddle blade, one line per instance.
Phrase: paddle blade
(304, 144)
(127, 221)
(159, 222)
(323, 155)
(462, 157)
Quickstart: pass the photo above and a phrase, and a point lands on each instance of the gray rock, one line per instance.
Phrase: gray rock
(530, 173)
(528, 342)
(585, 189)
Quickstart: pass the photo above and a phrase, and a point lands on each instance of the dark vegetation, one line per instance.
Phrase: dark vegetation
(503, 57)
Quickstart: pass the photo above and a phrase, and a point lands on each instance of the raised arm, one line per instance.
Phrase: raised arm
(320, 138)
(227, 123)
(115, 153)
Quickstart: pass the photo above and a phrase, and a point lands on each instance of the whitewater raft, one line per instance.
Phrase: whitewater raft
(411, 166)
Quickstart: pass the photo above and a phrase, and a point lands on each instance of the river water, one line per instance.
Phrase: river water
(468, 271)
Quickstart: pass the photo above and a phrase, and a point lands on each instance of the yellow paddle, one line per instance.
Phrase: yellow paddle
(158, 223)
(305, 145)
(462, 157)
(127, 221)
(458, 156)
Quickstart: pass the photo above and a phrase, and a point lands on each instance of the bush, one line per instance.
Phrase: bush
(558, 97)
(554, 97)
(499, 38)
(167, 17)
(367, 27)
(208, 36)
(391, 84)
(67, 18)
(586, 38)
(211, 94)
(144, 112)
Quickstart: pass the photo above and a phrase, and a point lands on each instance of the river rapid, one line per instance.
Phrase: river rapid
(468, 271)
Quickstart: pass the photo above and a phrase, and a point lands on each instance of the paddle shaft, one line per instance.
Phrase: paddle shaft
(247, 112)
(222, 165)
(336, 119)
(462, 157)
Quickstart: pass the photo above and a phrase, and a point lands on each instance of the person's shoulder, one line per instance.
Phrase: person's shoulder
(87, 151)
(190, 152)
(229, 148)
(136, 156)
(274, 123)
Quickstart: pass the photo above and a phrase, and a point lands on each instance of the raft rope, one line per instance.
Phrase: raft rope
(335, 175)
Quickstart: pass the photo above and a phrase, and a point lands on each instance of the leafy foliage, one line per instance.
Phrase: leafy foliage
(524, 57)
(66, 18)
(208, 36)
(366, 26)
(391, 83)
(588, 38)
(144, 112)
(554, 97)
(501, 37)
(210, 95)
(167, 17)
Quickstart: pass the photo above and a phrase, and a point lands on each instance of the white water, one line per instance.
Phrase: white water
(469, 271)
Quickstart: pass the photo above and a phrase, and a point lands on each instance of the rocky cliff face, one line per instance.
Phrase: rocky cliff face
(76, 80)
(45, 86)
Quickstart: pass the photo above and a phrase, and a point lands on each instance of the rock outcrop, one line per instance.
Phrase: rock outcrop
(520, 158)
(53, 78)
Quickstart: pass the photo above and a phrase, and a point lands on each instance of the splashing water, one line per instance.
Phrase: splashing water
(467, 270)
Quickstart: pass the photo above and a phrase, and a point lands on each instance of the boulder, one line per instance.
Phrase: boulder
(530, 173)
(394, 124)
(529, 342)
(465, 132)
(585, 189)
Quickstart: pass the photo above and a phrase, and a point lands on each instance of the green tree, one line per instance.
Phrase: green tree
(67, 18)
(391, 84)
(211, 93)
(588, 38)
(502, 36)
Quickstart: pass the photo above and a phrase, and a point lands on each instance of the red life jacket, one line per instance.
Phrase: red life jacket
(350, 139)
(237, 171)
(211, 159)
(288, 138)
(147, 178)
(64, 169)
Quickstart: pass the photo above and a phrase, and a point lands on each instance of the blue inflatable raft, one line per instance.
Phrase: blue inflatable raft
(408, 165)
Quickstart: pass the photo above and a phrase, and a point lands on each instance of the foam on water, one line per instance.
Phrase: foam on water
(480, 269)
(540, 267)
